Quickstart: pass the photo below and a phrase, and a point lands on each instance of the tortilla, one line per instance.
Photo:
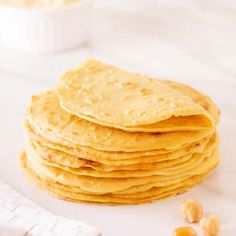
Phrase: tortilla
(140, 104)
(75, 194)
(47, 118)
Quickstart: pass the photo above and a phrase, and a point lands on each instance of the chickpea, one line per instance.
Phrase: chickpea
(210, 225)
(184, 231)
(192, 210)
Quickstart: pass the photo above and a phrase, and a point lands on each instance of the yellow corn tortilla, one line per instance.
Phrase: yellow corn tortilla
(47, 118)
(96, 169)
(75, 195)
(108, 185)
(118, 158)
(113, 97)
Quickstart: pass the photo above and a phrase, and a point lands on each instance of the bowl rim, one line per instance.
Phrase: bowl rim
(68, 6)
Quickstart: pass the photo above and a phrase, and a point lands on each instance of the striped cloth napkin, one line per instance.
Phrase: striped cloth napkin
(20, 216)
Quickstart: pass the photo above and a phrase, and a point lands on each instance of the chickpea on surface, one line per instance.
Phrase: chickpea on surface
(192, 210)
(184, 231)
(210, 225)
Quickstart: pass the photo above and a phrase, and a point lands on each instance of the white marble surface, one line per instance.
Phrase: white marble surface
(191, 41)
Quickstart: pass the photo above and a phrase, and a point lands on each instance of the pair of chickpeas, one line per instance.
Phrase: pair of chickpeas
(192, 211)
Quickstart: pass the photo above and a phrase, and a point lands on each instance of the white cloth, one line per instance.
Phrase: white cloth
(20, 216)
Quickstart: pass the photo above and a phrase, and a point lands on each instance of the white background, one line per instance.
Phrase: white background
(191, 41)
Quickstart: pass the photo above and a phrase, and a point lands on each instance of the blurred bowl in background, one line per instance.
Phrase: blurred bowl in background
(45, 29)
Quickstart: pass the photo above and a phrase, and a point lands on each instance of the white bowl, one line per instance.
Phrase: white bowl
(45, 30)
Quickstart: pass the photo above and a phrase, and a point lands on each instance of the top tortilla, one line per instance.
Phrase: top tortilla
(109, 96)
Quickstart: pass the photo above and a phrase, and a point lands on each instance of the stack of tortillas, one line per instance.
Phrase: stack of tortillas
(105, 135)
